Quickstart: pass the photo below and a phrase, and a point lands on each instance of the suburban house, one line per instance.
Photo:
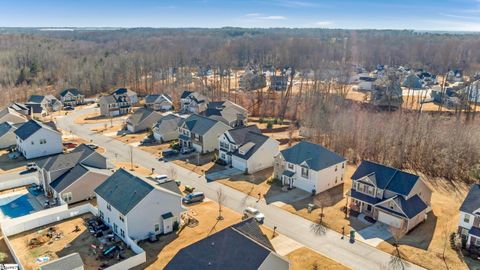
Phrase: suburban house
(10, 115)
(310, 167)
(247, 149)
(366, 83)
(43, 104)
(111, 106)
(167, 128)
(278, 82)
(228, 112)
(36, 139)
(201, 133)
(193, 102)
(412, 81)
(252, 80)
(72, 97)
(136, 208)
(469, 223)
(127, 93)
(72, 177)
(20, 108)
(391, 196)
(160, 102)
(142, 119)
(7, 134)
(70, 262)
(238, 247)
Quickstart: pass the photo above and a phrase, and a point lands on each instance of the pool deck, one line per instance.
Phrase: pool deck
(36, 202)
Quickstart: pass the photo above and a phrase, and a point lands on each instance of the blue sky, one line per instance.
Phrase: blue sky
(449, 15)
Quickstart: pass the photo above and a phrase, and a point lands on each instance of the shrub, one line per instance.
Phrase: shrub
(269, 125)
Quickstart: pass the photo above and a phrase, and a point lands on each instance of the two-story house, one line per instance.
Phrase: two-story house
(310, 167)
(389, 195)
(167, 128)
(111, 106)
(193, 102)
(36, 139)
(135, 208)
(201, 133)
(10, 115)
(278, 82)
(228, 112)
(126, 93)
(72, 177)
(142, 119)
(43, 105)
(469, 223)
(7, 134)
(160, 102)
(247, 149)
(72, 97)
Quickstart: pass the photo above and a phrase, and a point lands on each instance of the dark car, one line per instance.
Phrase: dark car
(169, 152)
(68, 108)
(193, 198)
(187, 150)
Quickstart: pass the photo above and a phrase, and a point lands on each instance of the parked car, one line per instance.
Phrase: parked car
(187, 150)
(189, 189)
(147, 140)
(68, 108)
(169, 152)
(253, 212)
(193, 198)
(31, 166)
(92, 145)
(14, 155)
(160, 178)
(69, 145)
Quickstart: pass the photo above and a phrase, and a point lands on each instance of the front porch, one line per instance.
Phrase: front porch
(365, 208)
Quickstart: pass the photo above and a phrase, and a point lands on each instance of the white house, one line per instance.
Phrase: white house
(43, 104)
(72, 97)
(10, 115)
(396, 198)
(135, 208)
(142, 119)
(36, 139)
(201, 133)
(310, 167)
(469, 222)
(193, 102)
(167, 128)
(247, 149)
(124, 92)
(160, 102)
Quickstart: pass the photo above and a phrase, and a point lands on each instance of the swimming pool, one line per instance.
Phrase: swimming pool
(15, 204)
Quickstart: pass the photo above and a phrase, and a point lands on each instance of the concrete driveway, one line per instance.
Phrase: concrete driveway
(229, 172)
(374, 234)
(288, 197)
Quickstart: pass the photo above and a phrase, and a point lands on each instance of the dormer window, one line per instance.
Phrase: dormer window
(466, 218)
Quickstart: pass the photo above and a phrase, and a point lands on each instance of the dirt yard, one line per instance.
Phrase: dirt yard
(198, 164)
(8, 165)
(107, 128)
(253, 184)
(95, 117)
(305, 258)
(136, 168)
(132, 139)
(155, 148)
(35, 244)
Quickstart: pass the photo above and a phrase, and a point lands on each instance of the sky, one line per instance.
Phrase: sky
(439, 15)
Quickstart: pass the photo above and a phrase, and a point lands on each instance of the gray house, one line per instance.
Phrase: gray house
(201, 133)
(111, 106)
(72, 177)
(142, 119)
(126, 93)
(469, 222)
(136, 208)
(10, 115)
(167, 127)
(228, 112)
(160, 102)
(43, 104)
(391, 196)
(72, 97)
(238, 247)
(193, 102)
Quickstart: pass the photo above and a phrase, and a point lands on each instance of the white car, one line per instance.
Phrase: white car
(253, 212)
(160, 178)
(32, 166)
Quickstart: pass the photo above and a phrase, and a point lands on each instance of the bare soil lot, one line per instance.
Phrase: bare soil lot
(197, 163)
(253, 184)
(36, 243)
(95, 117)
(305, 258)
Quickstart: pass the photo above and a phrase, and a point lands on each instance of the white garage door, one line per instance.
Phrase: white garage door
(239, 164)
(389, 220)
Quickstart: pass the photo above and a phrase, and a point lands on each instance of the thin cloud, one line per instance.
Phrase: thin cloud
(253, 15)
(273, 17)
(323, 23)
(459, 16)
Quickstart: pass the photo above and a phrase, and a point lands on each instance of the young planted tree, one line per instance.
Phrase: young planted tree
(397, 261)
(221, 197)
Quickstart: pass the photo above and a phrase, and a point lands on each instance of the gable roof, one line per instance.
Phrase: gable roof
(472, 201)
(36, 99)
(239, 134)
(5, 128)
(153, 98)
(73, 91)
(68, 178)
(185, 94)
(123, 190)
(71, 261)
(386, 177)
(123, 91)
(200, 124)
(172, 186)
(18, 106)
(29, 128)
(316, 156)
(169, 122)
(140, 115)
(253, 141)
(227, 110)
(197, 97)
(409, 208)
(234, 248)
(65, 160)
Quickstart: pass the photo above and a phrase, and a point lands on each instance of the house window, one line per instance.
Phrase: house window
(101, 214)
(115, 228)
(43, 141)
(157, 227)
(197, 137)
(343, 165)
(290, 166)
(109, 207)
(304, 172)
(336, 169)
(122, 233)
(121, 218)
(391, 204)
(108, 220)
(336, 179)
(32, 143)
(466, 218)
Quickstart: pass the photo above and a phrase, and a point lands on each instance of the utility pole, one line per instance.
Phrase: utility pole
(131, 158)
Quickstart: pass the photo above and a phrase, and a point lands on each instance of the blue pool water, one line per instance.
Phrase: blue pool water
(34, 191)
(20, 206)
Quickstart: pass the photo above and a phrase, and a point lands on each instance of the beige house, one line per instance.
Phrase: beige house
(201, 133)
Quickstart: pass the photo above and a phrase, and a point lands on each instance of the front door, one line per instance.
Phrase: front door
(168, 225)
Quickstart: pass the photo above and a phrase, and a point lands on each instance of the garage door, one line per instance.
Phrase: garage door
(239, 164)
(389, 220)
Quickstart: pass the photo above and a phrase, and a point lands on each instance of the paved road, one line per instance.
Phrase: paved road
(356, 256)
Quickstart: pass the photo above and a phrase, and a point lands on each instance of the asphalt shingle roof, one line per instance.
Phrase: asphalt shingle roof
(5, 128)
(257, 139)
(185, 94)
(36, 99)
(316, 156)
(68, 178)
(71, 261)
(140, 115)
(472, 201)
(169, 122)
(239, 134)
(74, 92)
(233, 248)
(123, 91)
(200, 124)
(65, 160)
(123, 190)
(29, 128)
(387, 177)
(226, 110)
